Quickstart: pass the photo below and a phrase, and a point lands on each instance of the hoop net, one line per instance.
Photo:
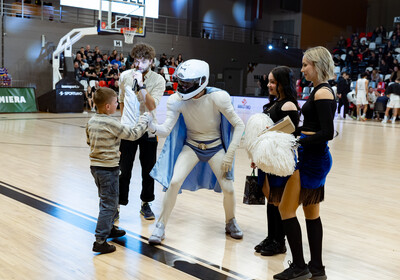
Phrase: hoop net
(129, 34)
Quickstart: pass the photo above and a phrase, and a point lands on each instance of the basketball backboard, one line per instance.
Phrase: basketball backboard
(133, 19)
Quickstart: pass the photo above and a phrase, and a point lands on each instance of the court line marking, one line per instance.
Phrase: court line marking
(196, 267)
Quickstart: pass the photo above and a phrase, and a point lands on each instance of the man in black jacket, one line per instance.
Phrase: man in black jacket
(343, 88)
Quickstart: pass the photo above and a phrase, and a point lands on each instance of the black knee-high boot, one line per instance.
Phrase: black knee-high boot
(293, 233)
(314, 234)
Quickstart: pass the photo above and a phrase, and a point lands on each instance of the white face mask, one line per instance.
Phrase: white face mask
(142, 64)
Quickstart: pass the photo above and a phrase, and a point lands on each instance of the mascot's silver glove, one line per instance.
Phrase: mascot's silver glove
(227, 161)
(152, 126)
(145, 117)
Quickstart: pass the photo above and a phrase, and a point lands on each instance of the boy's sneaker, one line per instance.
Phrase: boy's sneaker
(103, 248)
(146, 211)
(273, 248)
(393, 120)
(317, 273)
(116, 232)
(263, 244)
(294, 273)
(233, 229)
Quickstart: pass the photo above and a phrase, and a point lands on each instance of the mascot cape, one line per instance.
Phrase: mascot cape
(201, 177)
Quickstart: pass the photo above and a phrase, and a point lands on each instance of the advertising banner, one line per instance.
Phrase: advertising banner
(17, 100)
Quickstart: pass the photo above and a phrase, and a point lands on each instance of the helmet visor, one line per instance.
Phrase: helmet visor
(186, 86)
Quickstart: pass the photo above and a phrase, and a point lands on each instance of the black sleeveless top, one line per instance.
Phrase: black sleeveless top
(274, 111)
(318, 117)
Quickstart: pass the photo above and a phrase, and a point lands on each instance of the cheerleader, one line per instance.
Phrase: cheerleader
(307, 184)
(281, 86)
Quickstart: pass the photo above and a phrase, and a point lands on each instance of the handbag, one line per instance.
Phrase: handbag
(252, 191)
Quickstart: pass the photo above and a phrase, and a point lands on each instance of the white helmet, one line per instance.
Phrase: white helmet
(192, 76)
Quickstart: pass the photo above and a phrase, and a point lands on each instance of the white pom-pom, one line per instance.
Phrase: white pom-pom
(273, 153)
(254, 126)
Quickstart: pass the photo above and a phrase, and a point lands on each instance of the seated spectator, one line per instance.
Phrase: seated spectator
(99, 61)
(116, 60)
(113, 55)
(84, 65)
(122, 68)
(395, 63)
(81, 51)
(98, 70)
(341, 44)
(90, 73)
(78, 57)
(114, 82)
(373, 60)
(388, 47)
(363, 48)
(179, 60)
(77, 71)
(114, 69)
(161, 72)
(394, 40)
(396, 28)
(89, 54)
(383, 31)
(171, 61)
(372, 95)
(163, 60)
(395, 74)
(129, 62)
(376, 33)
(383, 68)
(375, 77)
(89, 98)
(105, 60)
(107, 74)
(97, 53)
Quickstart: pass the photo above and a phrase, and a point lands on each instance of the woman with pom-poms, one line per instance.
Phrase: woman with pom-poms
(283, 103)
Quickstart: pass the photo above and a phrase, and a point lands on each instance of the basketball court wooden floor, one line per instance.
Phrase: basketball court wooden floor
(49, 205)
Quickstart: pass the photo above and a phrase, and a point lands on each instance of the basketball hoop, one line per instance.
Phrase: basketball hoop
(129, 34)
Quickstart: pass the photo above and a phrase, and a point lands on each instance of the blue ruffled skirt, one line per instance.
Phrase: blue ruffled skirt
(315, 162)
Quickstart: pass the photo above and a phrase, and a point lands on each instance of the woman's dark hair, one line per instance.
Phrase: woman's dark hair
(363, 75)
(284, 78)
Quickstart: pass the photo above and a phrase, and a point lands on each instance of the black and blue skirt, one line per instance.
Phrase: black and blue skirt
(315, 162)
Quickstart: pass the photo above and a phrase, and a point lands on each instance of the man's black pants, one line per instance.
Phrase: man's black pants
(147, 156)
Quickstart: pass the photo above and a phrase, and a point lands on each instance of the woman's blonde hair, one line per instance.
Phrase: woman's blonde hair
(322, 60)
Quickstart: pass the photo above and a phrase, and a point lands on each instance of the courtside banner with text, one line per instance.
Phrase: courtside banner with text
(17, 100)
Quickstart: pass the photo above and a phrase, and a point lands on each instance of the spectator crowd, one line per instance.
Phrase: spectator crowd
(94, 69)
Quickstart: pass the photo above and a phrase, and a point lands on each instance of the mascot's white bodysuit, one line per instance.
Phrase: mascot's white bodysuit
(202, 117)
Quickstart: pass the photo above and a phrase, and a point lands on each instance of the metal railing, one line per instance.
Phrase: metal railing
(163, 24)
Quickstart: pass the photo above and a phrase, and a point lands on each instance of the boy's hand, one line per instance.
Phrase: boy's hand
(152, 127)
(146, 117)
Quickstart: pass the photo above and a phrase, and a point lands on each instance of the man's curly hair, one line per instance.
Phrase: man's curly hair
(143, 50)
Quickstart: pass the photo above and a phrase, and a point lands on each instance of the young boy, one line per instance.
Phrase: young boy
(104, 134)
